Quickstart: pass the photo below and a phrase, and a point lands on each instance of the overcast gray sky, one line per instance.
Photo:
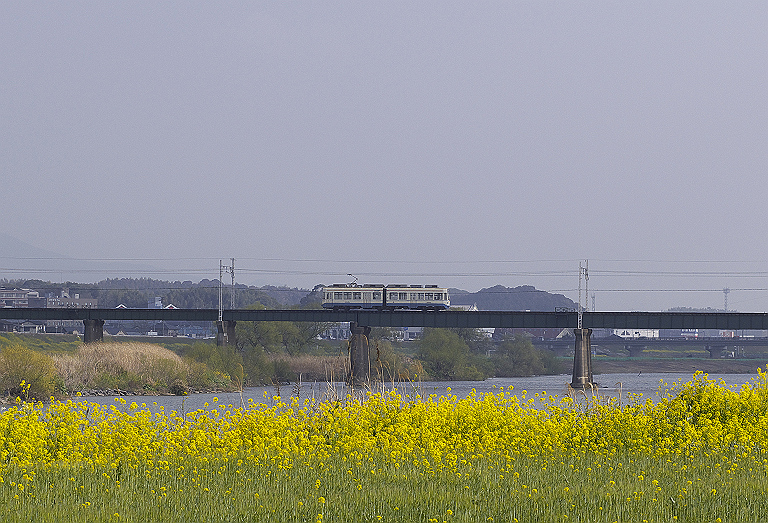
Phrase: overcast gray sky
(462, 143)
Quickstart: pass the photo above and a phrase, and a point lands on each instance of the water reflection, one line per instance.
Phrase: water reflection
(649, 385)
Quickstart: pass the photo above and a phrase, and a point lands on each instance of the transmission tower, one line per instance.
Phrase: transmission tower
(583, 271)
(231, 270)
(725, 298)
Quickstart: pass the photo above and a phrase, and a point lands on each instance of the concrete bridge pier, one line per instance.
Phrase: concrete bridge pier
(359, 354)
(225, 332)
(94, 331)
(716, 351)
(582, 360)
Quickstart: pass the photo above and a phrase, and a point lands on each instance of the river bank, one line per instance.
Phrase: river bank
(676, 365)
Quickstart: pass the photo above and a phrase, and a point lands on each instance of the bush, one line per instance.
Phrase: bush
(18, 365)
(445, 356)
(516, 356)
(282, 371)
(178, 388)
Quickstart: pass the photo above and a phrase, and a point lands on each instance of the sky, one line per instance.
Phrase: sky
(458, 143)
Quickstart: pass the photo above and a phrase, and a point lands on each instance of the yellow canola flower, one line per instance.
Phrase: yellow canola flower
(434, 433)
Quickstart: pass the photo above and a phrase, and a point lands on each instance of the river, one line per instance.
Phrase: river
(649, 385)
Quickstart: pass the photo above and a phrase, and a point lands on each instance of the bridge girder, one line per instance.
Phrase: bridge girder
(443, 319)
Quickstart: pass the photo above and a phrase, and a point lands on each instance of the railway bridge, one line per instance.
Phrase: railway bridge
(362, 320)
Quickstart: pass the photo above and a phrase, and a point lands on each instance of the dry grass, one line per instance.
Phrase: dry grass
(152, 364)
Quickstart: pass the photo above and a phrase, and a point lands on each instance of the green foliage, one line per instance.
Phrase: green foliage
(257, 368)
(255, 340)
(469, 335)
(445, 356)
(19, 364)
(516, 356)
(41, 342)
(203, 295)
(264, 334)
(282, 372)
(201, 377)
(120, 380)
(224, 359)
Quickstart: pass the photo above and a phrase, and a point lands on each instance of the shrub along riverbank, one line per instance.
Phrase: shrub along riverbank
(138, 368)
(700, 454)
(265, 353)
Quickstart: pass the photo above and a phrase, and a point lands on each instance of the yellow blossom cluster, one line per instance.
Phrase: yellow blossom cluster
(517, 445)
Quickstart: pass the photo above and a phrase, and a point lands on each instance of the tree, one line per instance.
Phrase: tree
(445, 356)
(516, 356)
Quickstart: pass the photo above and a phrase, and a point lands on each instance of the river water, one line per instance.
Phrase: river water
(648, 385)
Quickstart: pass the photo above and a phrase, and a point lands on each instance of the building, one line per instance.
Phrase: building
(66, 301)
(18, 298)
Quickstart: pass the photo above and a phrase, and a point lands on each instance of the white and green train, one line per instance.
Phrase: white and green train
(349, 296)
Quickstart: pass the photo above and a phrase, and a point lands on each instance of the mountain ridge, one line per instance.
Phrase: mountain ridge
(521, 298)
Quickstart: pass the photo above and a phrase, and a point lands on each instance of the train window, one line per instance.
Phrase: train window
(392, 295)
(403, 295)
(377, 295)
(338, 295)
(421, 296)
(428, 296)
(347, 295)
(438, 296)
(357, 296)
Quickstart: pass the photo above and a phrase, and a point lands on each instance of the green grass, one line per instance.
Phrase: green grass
(581, 488)
(57, 343)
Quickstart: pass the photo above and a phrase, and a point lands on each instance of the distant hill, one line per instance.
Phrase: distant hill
(522, 298)
(286, 296)
(21, 261)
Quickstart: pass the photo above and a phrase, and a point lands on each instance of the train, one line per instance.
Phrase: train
(349, 296)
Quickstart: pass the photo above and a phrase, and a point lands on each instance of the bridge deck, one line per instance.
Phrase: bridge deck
(466, 319)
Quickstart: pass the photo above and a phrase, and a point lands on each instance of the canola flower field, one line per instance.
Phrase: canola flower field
(700, 454)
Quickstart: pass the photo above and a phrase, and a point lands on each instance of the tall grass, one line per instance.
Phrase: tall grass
(120, 365)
